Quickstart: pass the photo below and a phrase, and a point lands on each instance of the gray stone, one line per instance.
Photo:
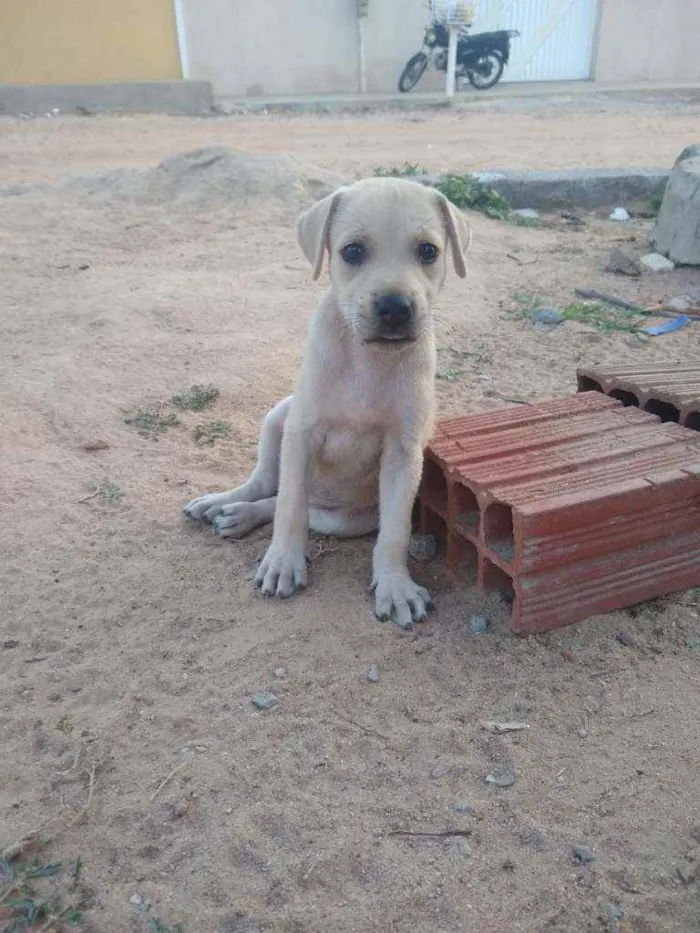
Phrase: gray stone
(622, 264)
(655, 262)
(619, 213)
(441, 770)
(264, 701)
(676, 231)
(479, 623)
(501, 777)
(526, 212)
(423, 548)
(280, 673)
(611, 914)
(373, 674)
(582, 854)
(461, 846)
(462, 808)
(680, 303)
(546, 318)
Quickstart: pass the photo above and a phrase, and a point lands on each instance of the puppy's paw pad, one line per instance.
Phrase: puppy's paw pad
(398, 597)
(282, 571)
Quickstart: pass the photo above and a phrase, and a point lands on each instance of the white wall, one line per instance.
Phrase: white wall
(278, 48)
(648, 40)
(273, 47)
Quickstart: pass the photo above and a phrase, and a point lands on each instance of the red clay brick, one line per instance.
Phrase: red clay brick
(570, 507)
(672, 392)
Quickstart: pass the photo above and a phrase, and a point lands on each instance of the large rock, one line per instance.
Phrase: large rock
(677, 230)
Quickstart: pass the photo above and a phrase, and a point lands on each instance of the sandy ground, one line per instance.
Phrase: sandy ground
(131, 642)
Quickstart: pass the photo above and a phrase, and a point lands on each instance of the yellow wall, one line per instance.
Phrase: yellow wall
(87, 41)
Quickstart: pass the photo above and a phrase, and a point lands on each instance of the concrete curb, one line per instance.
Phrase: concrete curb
(173, 97)
(559, 93)
(583, 188)
(587, 188)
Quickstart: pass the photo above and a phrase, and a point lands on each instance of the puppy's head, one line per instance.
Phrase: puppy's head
(387, 240)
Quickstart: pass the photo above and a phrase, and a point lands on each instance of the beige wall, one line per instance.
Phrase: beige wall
(648, 40)
(87, 41)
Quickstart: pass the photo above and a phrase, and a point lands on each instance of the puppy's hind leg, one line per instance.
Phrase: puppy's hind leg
(263, 481)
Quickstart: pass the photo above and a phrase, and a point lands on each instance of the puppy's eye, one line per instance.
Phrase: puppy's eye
(427, 253)
(354, 254)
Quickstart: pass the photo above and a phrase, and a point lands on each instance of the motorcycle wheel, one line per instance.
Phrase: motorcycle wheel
(413, 72)
(490, 69)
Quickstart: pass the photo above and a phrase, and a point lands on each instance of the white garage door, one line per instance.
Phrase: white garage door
(556, 42)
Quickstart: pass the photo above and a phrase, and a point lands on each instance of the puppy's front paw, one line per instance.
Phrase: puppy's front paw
(398, 597)
(282, 571)
(205, 508)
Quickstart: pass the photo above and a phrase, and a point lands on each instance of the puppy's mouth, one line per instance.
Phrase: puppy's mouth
(392, 340)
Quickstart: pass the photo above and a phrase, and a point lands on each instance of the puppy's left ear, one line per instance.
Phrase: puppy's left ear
(459, 233)
(313, 229)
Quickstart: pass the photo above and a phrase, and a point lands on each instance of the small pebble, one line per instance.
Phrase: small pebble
(619, 214)
(568, 655)
(582, 854)
(479, 624)
(625, 639)
(264, 701)
(526, 212)
(462, 808)
(373, 674)
(461, 846)
(655, 262)
(10, 643)
(280, 672)
(423, 548)
(611, 914)
(546, 318)
(441, 769)
(502, 777)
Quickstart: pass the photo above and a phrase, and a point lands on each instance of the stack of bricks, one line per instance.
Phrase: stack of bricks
(672, 392)
(568, 508)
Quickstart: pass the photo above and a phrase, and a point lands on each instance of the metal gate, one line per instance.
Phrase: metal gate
(556, 42)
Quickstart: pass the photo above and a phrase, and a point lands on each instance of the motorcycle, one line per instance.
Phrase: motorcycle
(481, 58)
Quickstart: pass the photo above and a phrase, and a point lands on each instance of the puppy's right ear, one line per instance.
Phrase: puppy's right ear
(313, 229)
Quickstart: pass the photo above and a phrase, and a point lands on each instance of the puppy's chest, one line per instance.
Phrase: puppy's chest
(351, 446)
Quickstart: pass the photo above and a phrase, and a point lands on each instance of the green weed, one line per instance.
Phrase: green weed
(196, 398)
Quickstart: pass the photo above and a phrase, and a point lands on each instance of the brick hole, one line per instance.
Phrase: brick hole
(466, 508)
(434, 524)
(415, 516)
(434, 487)
(692, 421)
(497, 580)
(627, 398)
(586, 384)
(663, 410)
(498, 530)
(464, 559)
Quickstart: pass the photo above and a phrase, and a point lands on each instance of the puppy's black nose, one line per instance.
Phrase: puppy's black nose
(394, 310)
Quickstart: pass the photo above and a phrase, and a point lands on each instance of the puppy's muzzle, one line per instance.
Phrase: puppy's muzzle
(395, 315)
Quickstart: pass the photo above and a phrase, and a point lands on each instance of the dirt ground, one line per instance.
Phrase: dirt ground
(131, 642)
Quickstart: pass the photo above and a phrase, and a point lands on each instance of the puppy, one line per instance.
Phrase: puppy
(344, 454)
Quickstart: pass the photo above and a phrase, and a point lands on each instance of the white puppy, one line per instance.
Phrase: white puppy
(344, 453)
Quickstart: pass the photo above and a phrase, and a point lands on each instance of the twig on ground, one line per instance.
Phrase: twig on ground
(168, 779)
(93, 495)
(365, 729)
(591, 295)
(445, 834)
(91, 787)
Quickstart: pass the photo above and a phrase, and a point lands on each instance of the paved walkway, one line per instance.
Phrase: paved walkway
(417, 100)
